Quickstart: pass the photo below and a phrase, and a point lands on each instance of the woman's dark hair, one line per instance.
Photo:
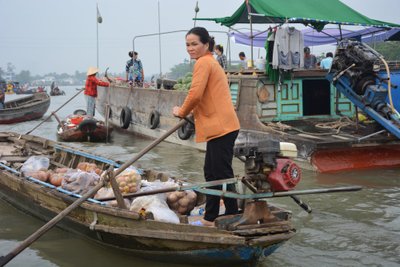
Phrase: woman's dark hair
(329, 54)
(205, 37)
(241, 54)
(131, 53)
(220, 48)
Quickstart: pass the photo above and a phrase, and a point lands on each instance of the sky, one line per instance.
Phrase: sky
(45, 36)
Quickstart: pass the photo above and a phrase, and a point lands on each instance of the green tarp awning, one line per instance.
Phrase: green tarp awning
(318, 13)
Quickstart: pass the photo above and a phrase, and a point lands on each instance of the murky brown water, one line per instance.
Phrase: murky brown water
(345, 229)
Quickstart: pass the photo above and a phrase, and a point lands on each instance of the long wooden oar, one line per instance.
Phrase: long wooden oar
(24, 244)
(81, 90)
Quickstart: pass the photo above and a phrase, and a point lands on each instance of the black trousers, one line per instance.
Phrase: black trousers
(217, 166)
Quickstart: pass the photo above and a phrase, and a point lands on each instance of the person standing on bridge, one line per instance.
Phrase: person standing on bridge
(215, 118)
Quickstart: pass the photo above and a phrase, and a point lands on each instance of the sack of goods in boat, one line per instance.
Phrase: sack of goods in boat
(86, 176)
(129, 181)
(182, 201)
(35, 163)
(79, 182)
(89, 167)
(156, 204)
(57, 177)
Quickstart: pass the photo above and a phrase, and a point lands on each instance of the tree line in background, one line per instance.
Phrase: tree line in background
(390, 50)
(25, 76)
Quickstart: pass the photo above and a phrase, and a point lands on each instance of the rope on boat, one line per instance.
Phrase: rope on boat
(94, 222)
(338, 125)
(342, 122)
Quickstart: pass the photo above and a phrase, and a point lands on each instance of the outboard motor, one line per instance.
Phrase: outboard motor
(267, 167)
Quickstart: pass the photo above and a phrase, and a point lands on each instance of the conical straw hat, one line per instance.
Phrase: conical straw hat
(92, 70)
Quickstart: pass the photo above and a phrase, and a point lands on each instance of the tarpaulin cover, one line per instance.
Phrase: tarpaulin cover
(327, 36)
(318, 13)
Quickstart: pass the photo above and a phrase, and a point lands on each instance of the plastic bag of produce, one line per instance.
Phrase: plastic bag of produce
(182, 201)
(89, 167)
(35, 163)
(79, 182)
(129, 180)
(157, 184)
(40, 175)
(157, 205)
(163, 214)
(104, 192)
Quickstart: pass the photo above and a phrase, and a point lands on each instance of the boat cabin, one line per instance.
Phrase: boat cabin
(305, 94)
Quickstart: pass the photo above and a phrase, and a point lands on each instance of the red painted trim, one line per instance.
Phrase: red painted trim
(354, 158)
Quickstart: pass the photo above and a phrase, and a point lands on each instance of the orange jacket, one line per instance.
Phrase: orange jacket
(210, 100)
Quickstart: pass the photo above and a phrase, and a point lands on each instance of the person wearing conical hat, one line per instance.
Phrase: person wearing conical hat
(91, 89)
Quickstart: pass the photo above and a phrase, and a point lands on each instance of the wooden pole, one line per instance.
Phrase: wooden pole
(36, 235)
(42, 230)
(117, 192)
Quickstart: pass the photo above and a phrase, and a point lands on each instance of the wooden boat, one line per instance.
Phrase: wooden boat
(305, 110)
(299, 106)
(130, 231)
(29, 91)
(81, 128)
(24, 109)
(54, 90)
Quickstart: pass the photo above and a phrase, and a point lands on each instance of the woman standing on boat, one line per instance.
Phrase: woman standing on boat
(215, 118)
(91, 90)
(221, 58)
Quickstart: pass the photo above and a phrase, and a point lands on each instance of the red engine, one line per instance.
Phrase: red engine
(265, 168)
(285, 176)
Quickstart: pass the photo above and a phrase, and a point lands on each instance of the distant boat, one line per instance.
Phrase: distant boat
(54, 90)
(29, 91)
(24, 109)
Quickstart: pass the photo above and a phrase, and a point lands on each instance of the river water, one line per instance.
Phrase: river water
(345, 229)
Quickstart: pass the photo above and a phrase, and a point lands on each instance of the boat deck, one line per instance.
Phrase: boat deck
(330, 132)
